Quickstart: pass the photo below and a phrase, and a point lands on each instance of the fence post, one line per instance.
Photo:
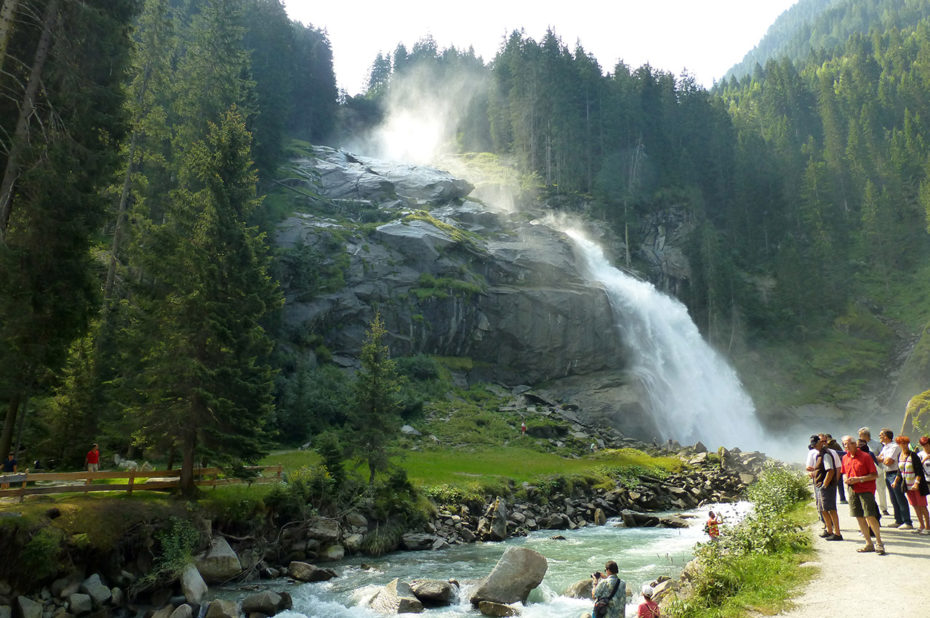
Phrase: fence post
(132, 479)
(22, 491)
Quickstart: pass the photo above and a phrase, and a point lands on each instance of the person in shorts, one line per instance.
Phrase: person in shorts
(860, 473)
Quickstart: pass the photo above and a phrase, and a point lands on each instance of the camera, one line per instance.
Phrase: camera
(596, 575)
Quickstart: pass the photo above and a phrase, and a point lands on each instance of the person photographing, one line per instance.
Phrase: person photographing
(609, 592)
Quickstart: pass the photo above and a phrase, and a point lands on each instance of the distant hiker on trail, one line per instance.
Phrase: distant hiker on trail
(609, 592)
(92, 459)
(889, 456)
(875, 448)
(860, 473)
(712, 526)
(523, 428)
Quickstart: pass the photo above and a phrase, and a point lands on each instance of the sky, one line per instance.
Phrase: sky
(704, 37)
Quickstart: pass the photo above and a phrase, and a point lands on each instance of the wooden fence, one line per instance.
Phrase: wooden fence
(27, 483)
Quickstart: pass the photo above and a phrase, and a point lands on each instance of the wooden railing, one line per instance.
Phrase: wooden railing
(27, 483)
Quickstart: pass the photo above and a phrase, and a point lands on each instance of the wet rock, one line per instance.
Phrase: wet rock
(323, 530)
(415, 541)
(308, 573)
(635, 519)
(490, 608)
(396, 598)
(433, 592)
(580, 589)
(267, 602)
(518, 571)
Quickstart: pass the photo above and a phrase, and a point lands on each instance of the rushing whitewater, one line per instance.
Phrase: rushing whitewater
(693, 393)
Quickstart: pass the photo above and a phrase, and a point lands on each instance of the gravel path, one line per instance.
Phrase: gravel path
(849, 581)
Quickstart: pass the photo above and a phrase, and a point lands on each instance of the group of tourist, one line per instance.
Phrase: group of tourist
(609, 594)
(889, 468)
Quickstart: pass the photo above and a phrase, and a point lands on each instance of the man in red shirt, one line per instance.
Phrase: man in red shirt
(860, 473)
(93, 459)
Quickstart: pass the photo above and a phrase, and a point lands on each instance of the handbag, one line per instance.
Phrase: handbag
(602, 604)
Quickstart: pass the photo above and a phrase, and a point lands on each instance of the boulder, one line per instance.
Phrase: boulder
(219, 563)
(396, 598)
(164, 612)
(599, 517)
(305, 572)
(357, 519)
(79, 603)
(433, 592)
(192, 585)
(323, 530)
(117, 596)
(580, 589)
(97, 591)
(635, 519)
(662, 589)
(490, 608)
(333, 552)
(6, 611)
(182, 611)
(414, 541)
(267, 602)
(517, 572)
(221, 608)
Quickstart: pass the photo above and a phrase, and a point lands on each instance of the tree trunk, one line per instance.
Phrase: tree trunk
(25, 111)
(7, 14)
(120, 217)
(188, 489)
(6, 438)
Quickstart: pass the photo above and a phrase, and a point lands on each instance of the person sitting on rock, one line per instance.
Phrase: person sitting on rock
(610, 588)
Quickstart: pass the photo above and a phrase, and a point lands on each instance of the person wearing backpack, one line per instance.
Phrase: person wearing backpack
(609, 592)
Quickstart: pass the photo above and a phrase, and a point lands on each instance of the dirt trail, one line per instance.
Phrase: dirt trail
(895, 582)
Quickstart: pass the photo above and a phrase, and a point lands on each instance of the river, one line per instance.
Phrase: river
(643, 554)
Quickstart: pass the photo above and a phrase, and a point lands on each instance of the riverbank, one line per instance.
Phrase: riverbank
(143, 530)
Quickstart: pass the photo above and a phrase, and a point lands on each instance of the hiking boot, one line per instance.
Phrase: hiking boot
(825, 534)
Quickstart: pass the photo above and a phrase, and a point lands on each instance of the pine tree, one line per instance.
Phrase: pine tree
(207, 382)
(376, 419)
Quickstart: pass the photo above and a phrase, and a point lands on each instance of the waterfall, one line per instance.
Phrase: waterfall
(693, 393)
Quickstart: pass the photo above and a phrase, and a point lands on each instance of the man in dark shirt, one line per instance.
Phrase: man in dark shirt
(8, 467)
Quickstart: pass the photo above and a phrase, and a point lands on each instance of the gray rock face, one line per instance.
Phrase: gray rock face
(220, 563)
(518, 572)
(192, 585)
(509, 294)
(396, 598)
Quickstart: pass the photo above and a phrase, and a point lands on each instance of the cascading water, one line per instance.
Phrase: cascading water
(693, 393)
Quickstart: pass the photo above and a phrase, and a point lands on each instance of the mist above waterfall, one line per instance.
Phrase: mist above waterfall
(693, 393)
(423, 114)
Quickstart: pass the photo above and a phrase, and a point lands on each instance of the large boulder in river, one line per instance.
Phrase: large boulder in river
(267, 602)
(518, 572)
(192, 585)
(396, 598)
(219, 563)
(433, 592)
(490, 608)
(580, 590)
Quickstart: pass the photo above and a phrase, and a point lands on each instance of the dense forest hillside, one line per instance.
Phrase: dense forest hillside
(821, 27)
(145, 169)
